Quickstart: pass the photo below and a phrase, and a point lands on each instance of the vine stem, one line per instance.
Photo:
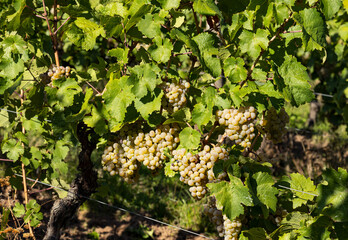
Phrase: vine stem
(53, 35)
(24, 176)
(279, 31)
(196, 19)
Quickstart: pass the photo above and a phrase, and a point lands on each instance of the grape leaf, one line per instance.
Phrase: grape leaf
(208, 53)
(13, 148)
(162, 52)
(60, 150)
(313, 27)
(201, 114)
(333, 195)
(297, 80)
(112, 9)
(301, 183)
(149, 104)
(230, 197)
(121, 54)
(15, 19)
(85, 108)
(234, 69)
(66, 92)
(206, 7)
(169, 4)
(150, 26)
(144, 79)
(118, 96)
(331, 7)
(168, 171)
(254, 234)
(265, 191)
(189, 138)
(96, 120)
(19, 210)
(91, 31)
(252, 43)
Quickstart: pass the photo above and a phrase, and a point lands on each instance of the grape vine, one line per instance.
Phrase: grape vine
(185, 88)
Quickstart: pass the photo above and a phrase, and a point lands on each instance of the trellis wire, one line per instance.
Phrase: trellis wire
(14, 112)
(118, 208)
(292, 189)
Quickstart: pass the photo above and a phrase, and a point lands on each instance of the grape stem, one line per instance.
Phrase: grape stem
(248, 150)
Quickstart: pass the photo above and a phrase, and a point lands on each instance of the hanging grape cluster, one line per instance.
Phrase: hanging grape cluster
(175, 95)
(59, 72)
(240, 124)
(197, 170)
(226, 228)
(274, 124)
(132, 148)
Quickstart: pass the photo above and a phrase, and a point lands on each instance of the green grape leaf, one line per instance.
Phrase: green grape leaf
(137, 10)
(13, 148)
(331, 7)
(118, 96)
(201, 114)
(249, 16)
(149, 104)
(18, 210)
(60, 150)
(208, 97)
(313, 27)
(265, 191)
(317, 229)
(333, 195)
(85, 108)
(268, 89)
(168, 171)
(259, 74)
(305, 186)
(234, 69)
(10, 69)
(169, 4)
(231, 196)
(297, 80)
(15, 18)
(150, 26)
(121, 54)
(206, 7)
(96, 120)
(182, 36)
(112, 9)
(163, 50)
(252, 43)
(254, 234)
(14, 44)
(208, 53)
(144, 78)
(189, 138)
(67, 91)
(91, 31)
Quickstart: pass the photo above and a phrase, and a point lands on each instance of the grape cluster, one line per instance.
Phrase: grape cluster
(226, 228)
(197, 170)
(175, 95)
(240, 124)
(132, 148)
(274, 124)
(58, 72)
